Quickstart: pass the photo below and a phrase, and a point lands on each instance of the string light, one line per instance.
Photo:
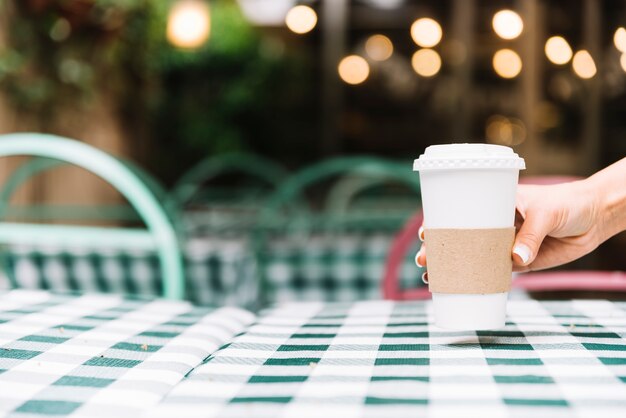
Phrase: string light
(353, 69)
(505, 131)
(619, 39)
(507, 63)
(426, 32)
(507, 24)
(583, 64)
(426, 62)
(188, 24)
(379, 47)
(558, 50)
(301, 19)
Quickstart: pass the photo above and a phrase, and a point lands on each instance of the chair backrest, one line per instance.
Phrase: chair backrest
(254, 166)
(231, 209)
(550, 281)
(273, 218)
(119, 213)
(159, 236)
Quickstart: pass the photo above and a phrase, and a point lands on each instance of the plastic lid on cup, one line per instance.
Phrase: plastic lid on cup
(468, 156)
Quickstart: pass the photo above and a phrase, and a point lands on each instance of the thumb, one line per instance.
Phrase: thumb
(529, 238)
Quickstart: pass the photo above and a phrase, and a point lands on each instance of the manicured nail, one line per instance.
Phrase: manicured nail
(417, 259)
(522, 252)
(420, 233)
(425, 277)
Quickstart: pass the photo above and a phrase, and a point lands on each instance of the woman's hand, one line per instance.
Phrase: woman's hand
(559, 223)
(555, 224)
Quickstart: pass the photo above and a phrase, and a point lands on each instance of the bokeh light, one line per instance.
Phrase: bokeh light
(61, 30)
(619, 39)
(353, 69)
(583, 64)
(547, 115)
(188, 24)
(426, 32)
(506, 63)
(505, 131)
(507, 24)
(426, 62)
(301, 19)
(558, 50)
(622, 61)
(378, 47)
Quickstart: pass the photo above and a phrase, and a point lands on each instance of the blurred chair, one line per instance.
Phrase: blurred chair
(317, 254)
(554, 281)
(543, 281)
(210, 208)
(115, 213)
(159, 236)
(372, 202)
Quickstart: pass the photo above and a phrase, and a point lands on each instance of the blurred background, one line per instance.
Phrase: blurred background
(222, 102)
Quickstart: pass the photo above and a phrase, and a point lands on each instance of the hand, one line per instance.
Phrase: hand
(555, 224)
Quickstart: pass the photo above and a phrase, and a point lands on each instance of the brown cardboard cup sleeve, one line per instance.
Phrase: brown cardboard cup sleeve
(469, 261)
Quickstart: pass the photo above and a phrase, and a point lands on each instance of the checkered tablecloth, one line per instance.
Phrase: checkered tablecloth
(222, 270)
(101, 356)
(384, 359)
(343, 267)
(219, 271)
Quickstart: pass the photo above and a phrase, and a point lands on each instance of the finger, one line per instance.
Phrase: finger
(529, 238)
(420, 257)
(420, 233)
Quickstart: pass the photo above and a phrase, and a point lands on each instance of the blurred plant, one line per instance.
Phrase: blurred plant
(238, 91)
(241, 91)
(58, 50)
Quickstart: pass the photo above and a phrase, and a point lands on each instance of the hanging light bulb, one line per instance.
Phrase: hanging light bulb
(301, 19)
(426, 32)
(619, 39)
(583, 64)
(507, 63)
(378, 47)
(188, 24)
(558, 50)
(426, 62)
(353, 69)
(507, 24)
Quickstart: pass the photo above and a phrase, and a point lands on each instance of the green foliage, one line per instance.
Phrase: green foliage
(59, 50)
(241, 91)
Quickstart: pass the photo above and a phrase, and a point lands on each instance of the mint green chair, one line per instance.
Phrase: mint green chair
(211, 209)
(160, 235)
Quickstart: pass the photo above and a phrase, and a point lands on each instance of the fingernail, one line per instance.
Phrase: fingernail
(523, 252)
(420, 233)
(417, 259)
(425, 277)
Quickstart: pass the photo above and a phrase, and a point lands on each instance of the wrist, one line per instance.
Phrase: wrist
(608, 191)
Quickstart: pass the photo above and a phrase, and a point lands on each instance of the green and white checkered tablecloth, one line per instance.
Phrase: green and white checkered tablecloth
(101, 356)
(219, 271)
(385, 359)
(342, 267)
(222, 270)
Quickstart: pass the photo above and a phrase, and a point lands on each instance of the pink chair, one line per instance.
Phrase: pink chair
(399, 247)
(549, 281)
(613, 281)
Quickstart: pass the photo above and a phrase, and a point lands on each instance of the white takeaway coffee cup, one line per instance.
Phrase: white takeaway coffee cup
(468, 198)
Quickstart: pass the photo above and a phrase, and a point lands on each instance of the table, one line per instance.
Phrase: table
(100, 356)
(385, 359)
